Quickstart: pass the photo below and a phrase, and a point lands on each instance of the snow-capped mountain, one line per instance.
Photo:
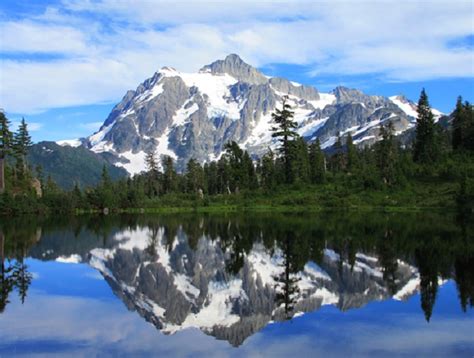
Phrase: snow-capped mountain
(192, 115)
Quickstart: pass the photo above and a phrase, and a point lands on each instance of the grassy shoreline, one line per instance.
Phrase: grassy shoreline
(416, 198)
(260, 208)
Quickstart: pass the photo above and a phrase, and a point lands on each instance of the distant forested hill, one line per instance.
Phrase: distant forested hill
(68, 165)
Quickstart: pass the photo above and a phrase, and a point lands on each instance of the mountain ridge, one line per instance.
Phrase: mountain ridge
(192, 115)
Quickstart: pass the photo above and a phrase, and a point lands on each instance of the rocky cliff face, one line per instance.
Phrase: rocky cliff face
(175, 286)
(192, 115)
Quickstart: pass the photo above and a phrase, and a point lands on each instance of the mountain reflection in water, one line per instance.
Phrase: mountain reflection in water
(232, 275)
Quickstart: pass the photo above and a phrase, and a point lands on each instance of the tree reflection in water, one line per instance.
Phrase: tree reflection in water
(439, 246)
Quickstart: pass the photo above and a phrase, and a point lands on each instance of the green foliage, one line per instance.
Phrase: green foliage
(463, 126)
(317, 163)
(6, 136)
(426, 147)
(67, 165)
(241, 171)
(285, 132)
(267, 171)
(382, 176)
(169, 175)
(352, 154)
(194, 177)
(386, 153)
(338, 160)
(299, 160)
(5, 147)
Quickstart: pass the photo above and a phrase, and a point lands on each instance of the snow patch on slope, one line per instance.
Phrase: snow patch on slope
(136, 162)
(69, 142)
(215, 88)
(405, 106)
(148, 95)
(183, 114)
(325, 99)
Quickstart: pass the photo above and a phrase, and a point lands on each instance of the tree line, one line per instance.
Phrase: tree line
(440, 151)
(14, 148)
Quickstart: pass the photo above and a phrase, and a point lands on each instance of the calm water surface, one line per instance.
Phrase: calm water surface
(238, 285)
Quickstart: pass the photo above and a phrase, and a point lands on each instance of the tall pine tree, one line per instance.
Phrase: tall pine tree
(21, 143)
(267, 170)
(463, 126)
(338, 159)
(352, 155)
(5, 147)
(169, 175)
(285, 133)
(317, 163)
(426, 147)
(194, 176)
(386, 153)
(458, 125)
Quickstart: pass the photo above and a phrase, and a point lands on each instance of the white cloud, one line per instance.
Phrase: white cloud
(92, 126)
(126, 41)
(28, 36)
(32, 126)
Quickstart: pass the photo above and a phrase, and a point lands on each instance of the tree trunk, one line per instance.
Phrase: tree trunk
(2, 175)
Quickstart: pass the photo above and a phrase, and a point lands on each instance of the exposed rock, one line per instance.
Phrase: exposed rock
(188, 116)
(36, 185)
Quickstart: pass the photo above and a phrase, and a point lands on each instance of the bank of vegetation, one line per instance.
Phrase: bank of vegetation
(435, 172)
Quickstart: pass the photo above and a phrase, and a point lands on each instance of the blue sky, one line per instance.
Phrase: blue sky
(65, 63)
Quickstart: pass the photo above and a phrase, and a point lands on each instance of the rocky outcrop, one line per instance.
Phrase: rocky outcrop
(234, 66)
(193, 115)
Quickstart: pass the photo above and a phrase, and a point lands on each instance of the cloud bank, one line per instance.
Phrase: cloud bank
(88, 52)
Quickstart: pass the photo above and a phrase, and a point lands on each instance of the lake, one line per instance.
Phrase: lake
(256, 284)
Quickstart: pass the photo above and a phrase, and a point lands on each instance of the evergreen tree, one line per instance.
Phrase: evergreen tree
(285, 133)
(50, 187)
(223, 176)
(338, 159)
(468, 137)
(458, 125)
(152, 187)
(352, 155)
(194, 176)
(234, 155)
(426, 146)
(463, 126)
(77, 197)
(211, 178)
(21, 143)
(251, 181)
(386, 154)
(317, 163)
(151, 162)
(300, 169)
(105, 195)
(169, 175)
(5, 147)
(105, 180)
(267, 170)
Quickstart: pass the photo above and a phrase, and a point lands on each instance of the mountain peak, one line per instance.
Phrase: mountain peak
(234, 66)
